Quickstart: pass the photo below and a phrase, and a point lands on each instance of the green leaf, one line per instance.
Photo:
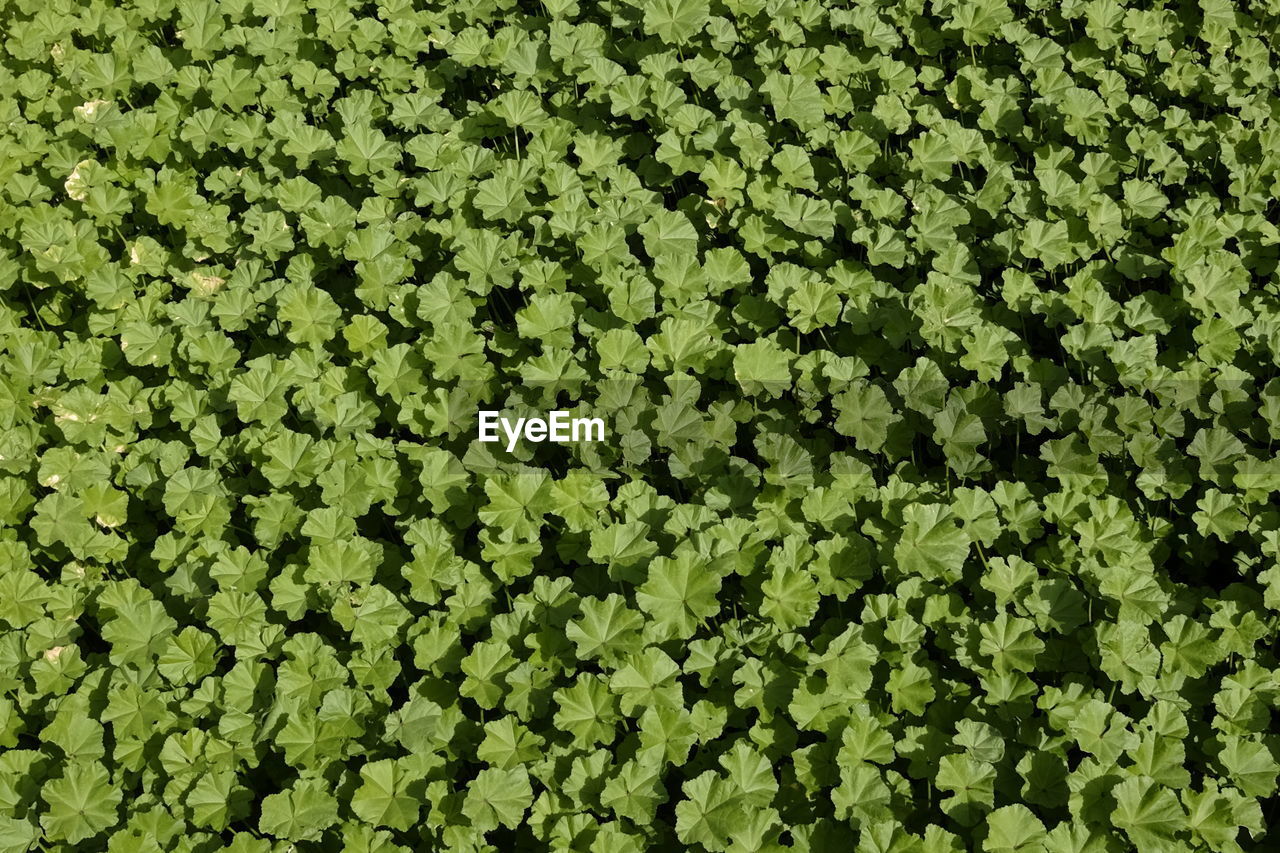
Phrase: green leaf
(81, 803)
(762, 367)
(1014, 829)
(498, 797)
(931, 546)
(675, 21)
(301, 813)
(608, 629)
(678, 595)
(384, 797)
(17, 835)
(1148, 813)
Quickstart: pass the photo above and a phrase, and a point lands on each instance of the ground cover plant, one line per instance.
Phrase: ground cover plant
(937, 346)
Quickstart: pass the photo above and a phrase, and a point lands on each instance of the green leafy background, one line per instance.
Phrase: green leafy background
(937, 344)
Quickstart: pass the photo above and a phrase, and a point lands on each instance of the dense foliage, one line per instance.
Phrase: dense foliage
(937, 343)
